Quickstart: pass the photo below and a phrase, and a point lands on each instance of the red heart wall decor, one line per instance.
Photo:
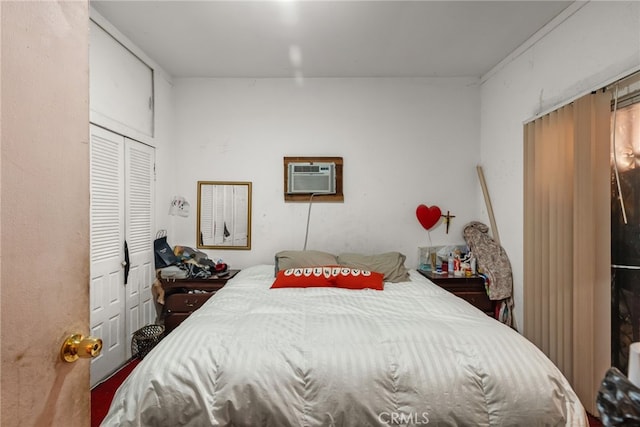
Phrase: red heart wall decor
(428, 216)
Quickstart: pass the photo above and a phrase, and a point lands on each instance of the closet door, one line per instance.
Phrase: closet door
(107, 292)
(122, 269)
(139, 179)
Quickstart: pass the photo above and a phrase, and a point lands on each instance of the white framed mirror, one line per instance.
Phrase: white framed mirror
(224, 215)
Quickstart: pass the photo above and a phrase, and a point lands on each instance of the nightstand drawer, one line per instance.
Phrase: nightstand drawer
(471, 289)
(469, 286)
(186, 303)
(183, 297)
(477, 299)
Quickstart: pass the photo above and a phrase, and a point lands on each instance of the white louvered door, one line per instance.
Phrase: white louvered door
(121, 218)
(139, 160)
(107, 293)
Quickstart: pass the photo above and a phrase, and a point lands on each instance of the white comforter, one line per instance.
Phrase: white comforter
(412, 354)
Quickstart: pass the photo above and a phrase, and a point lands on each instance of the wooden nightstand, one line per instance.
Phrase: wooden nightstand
(470, 289)
(184, 296)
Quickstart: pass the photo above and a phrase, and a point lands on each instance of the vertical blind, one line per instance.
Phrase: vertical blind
(567, 240)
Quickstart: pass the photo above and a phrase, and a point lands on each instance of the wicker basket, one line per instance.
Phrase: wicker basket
(144, 339)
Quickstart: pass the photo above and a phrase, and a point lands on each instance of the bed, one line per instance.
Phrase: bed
(411, 354)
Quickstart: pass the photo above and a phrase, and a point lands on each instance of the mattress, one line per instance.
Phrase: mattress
(412, 354)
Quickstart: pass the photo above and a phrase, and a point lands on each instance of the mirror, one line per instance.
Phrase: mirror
(224, 215)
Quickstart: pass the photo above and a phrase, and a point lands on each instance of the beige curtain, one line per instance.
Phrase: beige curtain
(567, 240)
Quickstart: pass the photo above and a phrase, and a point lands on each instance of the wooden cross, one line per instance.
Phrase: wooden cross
(447, 220)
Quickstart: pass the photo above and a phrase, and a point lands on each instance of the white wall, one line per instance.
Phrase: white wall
(595, 45)
(404, 142)
(163, 142)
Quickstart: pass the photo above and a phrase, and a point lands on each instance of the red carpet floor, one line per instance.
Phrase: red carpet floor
(593, 421)
(102, 394)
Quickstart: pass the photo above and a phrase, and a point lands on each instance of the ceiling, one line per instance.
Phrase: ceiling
(325, 38)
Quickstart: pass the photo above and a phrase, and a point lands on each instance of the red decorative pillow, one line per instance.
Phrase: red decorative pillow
(328, 276)
(304, 277)
(353, 278)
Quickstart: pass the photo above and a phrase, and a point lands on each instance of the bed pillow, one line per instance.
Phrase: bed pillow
(328, 276)
(294, 259)
(354, 278)
(390, 264)
(304, 277)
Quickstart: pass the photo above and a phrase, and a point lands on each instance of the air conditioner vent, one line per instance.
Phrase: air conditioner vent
(306, 168)
(311, 178)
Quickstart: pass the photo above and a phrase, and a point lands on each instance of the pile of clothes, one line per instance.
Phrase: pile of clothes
(183, 262)
(197, 264)
(496, 268)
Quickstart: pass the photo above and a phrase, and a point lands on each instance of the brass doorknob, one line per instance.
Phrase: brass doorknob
(76, 346)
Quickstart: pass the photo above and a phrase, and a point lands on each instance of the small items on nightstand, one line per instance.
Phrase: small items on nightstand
(456, 260)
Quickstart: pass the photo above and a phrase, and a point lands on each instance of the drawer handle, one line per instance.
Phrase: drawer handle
(190, 304)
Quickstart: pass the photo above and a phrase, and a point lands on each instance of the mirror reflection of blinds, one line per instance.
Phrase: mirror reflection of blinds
(206, 221)
(219, 214)
(242, 208)
(223, 213)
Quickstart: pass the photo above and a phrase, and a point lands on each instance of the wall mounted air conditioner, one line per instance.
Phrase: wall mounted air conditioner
(311, 178)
